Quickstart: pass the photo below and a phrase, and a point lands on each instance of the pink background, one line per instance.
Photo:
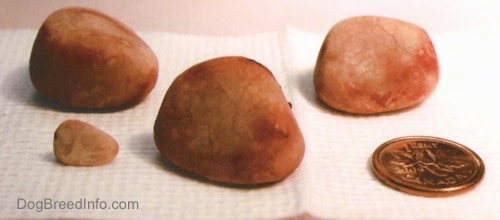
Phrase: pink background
(227, 17)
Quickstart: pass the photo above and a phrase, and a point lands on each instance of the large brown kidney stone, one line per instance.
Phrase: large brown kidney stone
(226, 119)
(83, 58)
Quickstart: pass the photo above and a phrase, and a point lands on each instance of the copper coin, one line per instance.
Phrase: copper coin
(427, 166)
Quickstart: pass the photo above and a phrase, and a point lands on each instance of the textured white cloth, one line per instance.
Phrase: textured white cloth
(333, 181)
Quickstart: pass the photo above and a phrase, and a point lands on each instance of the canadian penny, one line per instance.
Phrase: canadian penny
(427, 166)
